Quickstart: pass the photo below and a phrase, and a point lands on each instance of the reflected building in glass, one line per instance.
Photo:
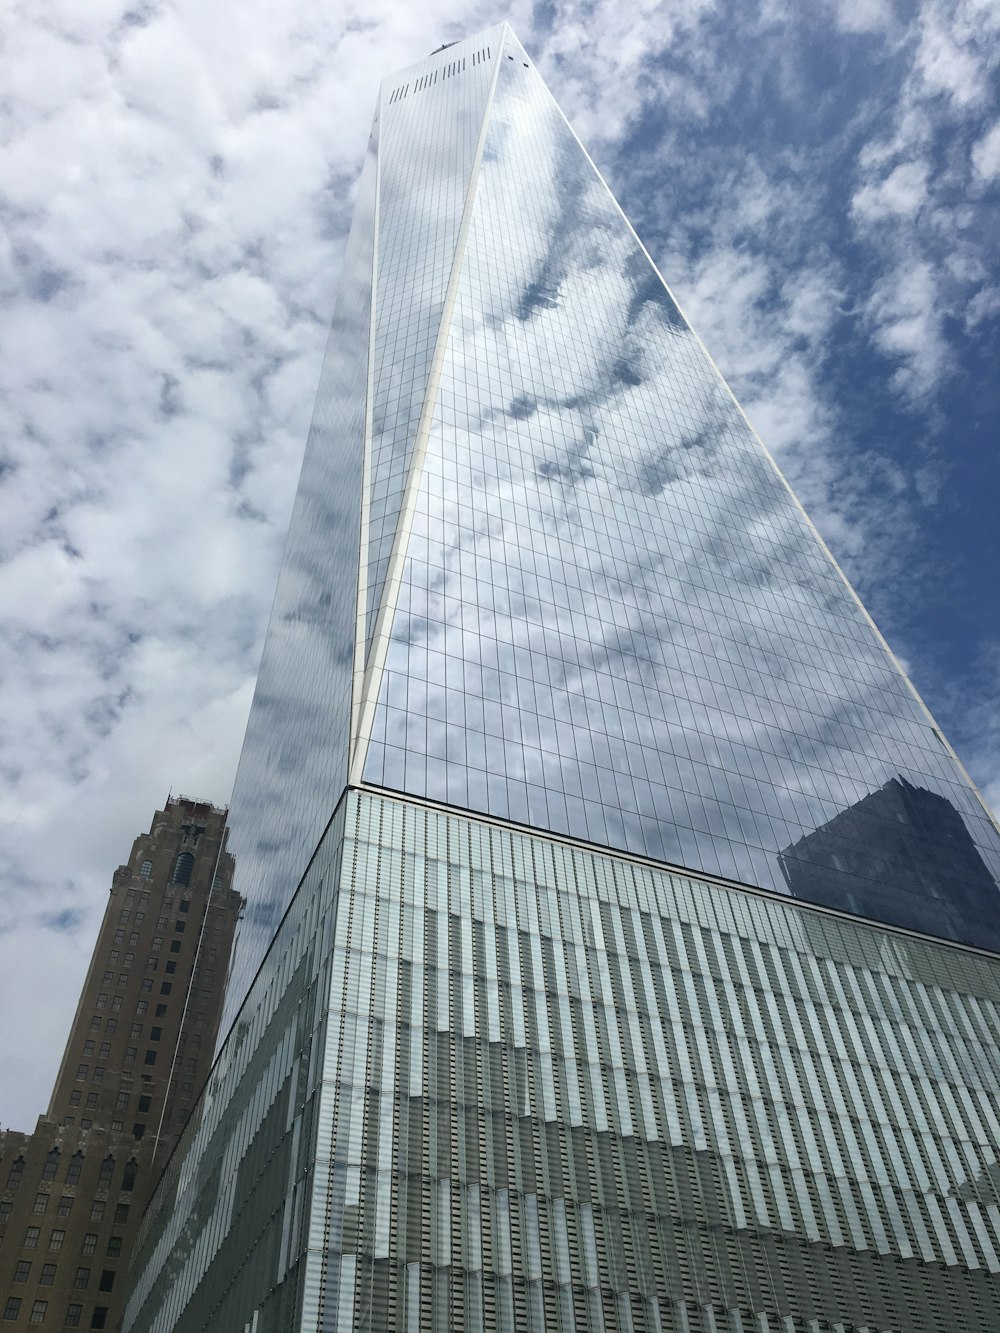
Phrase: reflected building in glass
(619, 950)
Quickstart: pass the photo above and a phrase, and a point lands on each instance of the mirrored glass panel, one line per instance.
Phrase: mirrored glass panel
(615, 621)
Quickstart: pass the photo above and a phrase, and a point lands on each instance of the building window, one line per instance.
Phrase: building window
(133, 938)
(41, 1203)
(73, 1313)
(107, 1171)
(51, 1165)
(89, 1243)
(95, 1023)
(116, 1003)
(121, 1214)
(108, 978)
(180, 925)
(185, 905)
(48, 1275)
(37, 1315)
(82, 1278)
(105, 1050)
(152, 964)
(147, 983)
(86, 1124)
(170, 967)
(130, 1055)
(23, 1271)
(102, 1001)
(88, 1048)
(107, 1281)
(91, 1101)
(166, 987)
(117, 1125)
(97, 1210)
(99, 1074)
(128, 959)
(81, 1072)
(149, 1058)
(119, 937)
(6, 1208)
(114, 1246)
(122, 1101)
(74, 1168)
(136, 1030)
(131, 1171)
(74, 1097)
(145, 1103)
(99, 1318)
(111, 1025)
(183, 868)
(13, 1307)
(142, 1006)
(157, 943)
(155, 1033)
(65, 1206)
(146, 870)
(138, 1130)
(15, 1173)
(56, 1238)
(31, 1238)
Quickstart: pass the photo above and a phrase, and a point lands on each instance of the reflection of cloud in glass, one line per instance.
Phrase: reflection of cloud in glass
(294, 761)
(614, 621)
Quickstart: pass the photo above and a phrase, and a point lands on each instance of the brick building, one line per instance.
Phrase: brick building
(141, 1044)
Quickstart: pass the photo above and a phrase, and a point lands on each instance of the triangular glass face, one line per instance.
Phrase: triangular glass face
(615, 621)
(294, 760)
(430, 131)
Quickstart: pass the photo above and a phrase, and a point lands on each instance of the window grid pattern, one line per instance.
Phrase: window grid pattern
(615, 621)
(425, 164)
(294, 760)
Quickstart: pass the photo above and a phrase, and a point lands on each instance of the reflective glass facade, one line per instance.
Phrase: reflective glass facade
(540, 568)
(574, 771)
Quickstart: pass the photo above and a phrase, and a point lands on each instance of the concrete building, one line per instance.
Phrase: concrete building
(139, 1050)
(525, 1030)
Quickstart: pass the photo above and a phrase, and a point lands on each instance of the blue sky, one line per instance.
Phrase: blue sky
(818, 181)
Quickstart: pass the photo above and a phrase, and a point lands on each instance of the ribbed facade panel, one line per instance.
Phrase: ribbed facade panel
(558, 1089)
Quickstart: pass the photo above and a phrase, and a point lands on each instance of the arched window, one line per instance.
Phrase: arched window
(51, 1165)
(183, 868)
(146, 870)
(131, 1170)
(15, 1173)
(107, 1171)
(74, 1169)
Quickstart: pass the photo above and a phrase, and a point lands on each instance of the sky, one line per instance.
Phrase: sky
(817, 180)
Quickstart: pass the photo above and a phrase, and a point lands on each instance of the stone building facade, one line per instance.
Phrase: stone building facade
(139, 1050)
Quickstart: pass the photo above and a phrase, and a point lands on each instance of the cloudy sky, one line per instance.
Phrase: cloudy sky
(817, 179)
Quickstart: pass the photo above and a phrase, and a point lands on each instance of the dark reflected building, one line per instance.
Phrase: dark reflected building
(525, 1031)
(901, 854)
(138, 1053)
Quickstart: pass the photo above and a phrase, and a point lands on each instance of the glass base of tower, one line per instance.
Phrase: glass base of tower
(492, 1080)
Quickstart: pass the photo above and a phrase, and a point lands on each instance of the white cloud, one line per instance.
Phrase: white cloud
(899, 195)
(907, 322)
(863, 15)
(986, 154)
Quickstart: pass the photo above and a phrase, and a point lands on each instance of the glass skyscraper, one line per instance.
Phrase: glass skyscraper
(621, 932)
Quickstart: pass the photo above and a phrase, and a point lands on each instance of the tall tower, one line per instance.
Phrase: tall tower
(138, 1053)
(561, 695)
